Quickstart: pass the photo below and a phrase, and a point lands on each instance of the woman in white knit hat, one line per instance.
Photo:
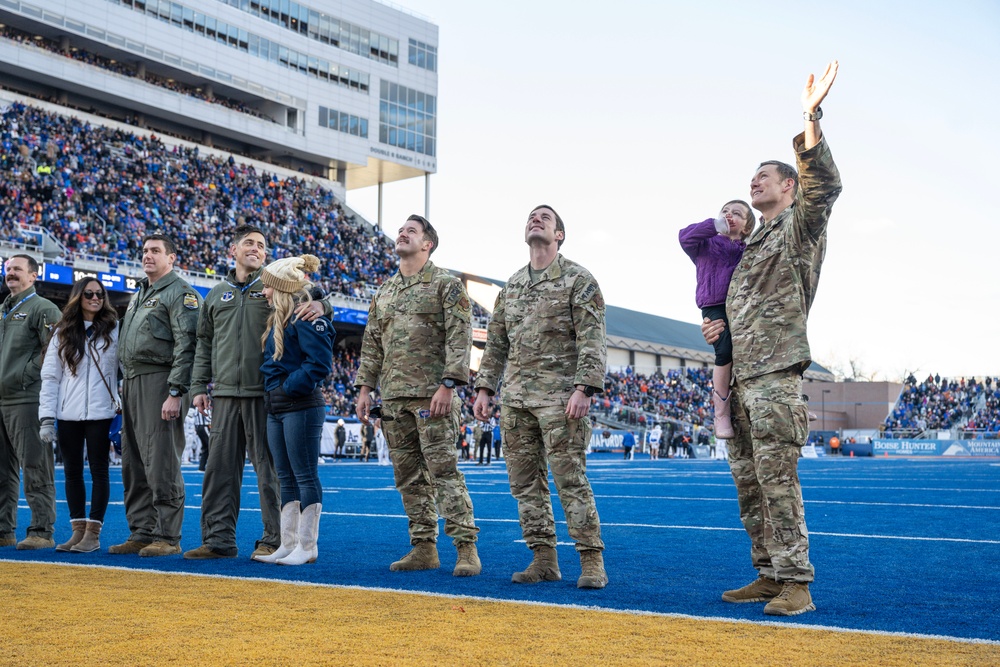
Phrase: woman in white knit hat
(298, 356)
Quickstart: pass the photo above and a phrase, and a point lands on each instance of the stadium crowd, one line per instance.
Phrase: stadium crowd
(99, 191)
(941, 403)
(683, 394)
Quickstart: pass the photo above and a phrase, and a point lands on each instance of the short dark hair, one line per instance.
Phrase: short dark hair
(168, 243)
(243, 231)
(32, 262)
(785, 171)
(560, 227)
(429, 232)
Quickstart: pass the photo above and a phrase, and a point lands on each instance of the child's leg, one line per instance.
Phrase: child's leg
(721, 376)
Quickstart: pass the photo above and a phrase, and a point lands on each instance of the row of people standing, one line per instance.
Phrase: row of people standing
(168, 346)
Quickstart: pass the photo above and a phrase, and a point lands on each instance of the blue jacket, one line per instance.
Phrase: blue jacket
(307, 360)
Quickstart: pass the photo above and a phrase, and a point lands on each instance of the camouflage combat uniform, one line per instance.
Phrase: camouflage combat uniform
(768, 303)
(419, 332)
(550, 335)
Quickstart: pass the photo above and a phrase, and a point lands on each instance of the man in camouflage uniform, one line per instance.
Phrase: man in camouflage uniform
(548, 329)
(26, 322)
(768, 304)
(416, 349)
(156, 344)
(228, 356)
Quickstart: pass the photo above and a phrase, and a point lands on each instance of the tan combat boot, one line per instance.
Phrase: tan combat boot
(91, 539)
(761, 589)
(544, 567)
(160, 548)
(79, 528)
(468, 564)
(592, 574)
(129, 546)
(423, 556)
(35, 542)
(794, 599)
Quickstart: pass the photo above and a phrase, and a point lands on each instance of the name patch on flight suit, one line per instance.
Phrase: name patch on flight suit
(17, 317)
(150, 303)
(256, 295)
(191, 302)
(227, 296)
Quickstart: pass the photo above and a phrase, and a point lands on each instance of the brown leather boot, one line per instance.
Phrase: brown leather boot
(761, 589)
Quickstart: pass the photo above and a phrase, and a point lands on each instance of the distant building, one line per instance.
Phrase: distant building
(344, 90)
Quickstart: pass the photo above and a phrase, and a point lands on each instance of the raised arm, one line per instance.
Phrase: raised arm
(812, 96)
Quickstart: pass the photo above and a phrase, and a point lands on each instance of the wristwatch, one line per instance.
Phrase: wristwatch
(175, 392)
(448, 383)
(815, 115)
(587, 391)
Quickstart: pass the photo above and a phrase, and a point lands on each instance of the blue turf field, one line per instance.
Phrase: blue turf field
(898, 545)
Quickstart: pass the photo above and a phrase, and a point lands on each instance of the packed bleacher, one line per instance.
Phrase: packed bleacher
(100, 190)
(681, 394)
(938, 404)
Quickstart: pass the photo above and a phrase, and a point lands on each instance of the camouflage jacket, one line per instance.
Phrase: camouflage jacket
(775, 283)
(419, 332)
(549, 334)
(158, 331)
(26, 325)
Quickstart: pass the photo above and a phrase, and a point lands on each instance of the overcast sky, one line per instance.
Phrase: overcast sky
(634, 119)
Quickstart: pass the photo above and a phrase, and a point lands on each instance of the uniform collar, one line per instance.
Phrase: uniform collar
(424, 275)
(11, 299)
(163, 282)
(764, 228)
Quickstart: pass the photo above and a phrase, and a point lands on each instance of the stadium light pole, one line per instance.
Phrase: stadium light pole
(823, 406)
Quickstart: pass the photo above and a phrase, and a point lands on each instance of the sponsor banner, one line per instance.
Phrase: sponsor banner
(906, 447)
(936, 447)
(599, 443)
(350, 316)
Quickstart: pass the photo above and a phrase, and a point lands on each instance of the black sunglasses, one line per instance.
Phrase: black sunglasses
(88, 294)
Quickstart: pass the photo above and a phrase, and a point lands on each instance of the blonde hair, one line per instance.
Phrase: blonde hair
(287, 279)
(284, 305)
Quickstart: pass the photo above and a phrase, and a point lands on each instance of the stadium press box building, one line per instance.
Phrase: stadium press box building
(346, 90)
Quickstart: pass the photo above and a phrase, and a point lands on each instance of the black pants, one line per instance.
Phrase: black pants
(485, 442)
(72, 438)
(202, 432)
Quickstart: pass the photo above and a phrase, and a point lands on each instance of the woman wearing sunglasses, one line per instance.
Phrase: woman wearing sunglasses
(80, 390)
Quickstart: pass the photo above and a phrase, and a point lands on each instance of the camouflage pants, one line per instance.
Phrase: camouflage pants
(771, 423)
(535, 438)
(425, 465)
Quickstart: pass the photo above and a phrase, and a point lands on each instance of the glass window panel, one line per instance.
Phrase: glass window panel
(324, 117)
(364, 127)
(383, 134)
(345, 122)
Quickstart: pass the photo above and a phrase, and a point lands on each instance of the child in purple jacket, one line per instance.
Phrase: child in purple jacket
(715, 255)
